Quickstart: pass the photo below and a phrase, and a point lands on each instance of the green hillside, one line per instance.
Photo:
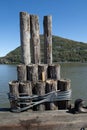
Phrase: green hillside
(64, 50)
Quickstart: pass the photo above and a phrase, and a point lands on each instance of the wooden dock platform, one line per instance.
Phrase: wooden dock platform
(48, 120)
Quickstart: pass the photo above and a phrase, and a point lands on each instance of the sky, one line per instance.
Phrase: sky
(69, 20)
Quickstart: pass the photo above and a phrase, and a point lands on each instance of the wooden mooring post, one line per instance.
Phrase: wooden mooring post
(36, 78)
(35, 38)
(25, 37)
(47, 23)
(32, 72)
(14, 91)
(51, 85)
(39, 89)
(25, 89)
(21, 72)
(64, 85)
(54, 71)
(42, 72)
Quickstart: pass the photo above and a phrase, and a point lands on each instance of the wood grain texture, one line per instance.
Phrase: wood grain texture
(47, 23)
(35, 38)
(25, 37)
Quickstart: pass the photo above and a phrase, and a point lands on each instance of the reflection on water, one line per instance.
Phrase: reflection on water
(77, 72)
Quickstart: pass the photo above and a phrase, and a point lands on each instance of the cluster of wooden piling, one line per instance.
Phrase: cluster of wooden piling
(36, 78)
(40, 79)
(30, 36)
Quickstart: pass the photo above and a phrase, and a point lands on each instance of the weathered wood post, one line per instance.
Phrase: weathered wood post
(32, 72)
(35, 38)
(21, 72)
(64, 85)
(25, 37)
(39, 89)
(51, 85)
(14, 91)
(42, 72)
(25, 89)
(54, 71)
(47, 39)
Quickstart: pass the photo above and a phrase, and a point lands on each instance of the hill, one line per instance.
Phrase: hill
(64, 50)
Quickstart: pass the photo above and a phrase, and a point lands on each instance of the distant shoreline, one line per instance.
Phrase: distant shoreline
(63, 50)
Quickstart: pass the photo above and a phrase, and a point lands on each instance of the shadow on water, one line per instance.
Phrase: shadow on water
(4, 109)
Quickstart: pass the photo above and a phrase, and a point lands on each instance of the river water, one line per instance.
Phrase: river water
(76, 72)
(7, 73)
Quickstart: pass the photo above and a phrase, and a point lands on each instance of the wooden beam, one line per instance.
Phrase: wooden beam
(47, 120)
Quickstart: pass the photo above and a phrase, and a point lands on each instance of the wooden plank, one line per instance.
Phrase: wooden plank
(47, 120)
